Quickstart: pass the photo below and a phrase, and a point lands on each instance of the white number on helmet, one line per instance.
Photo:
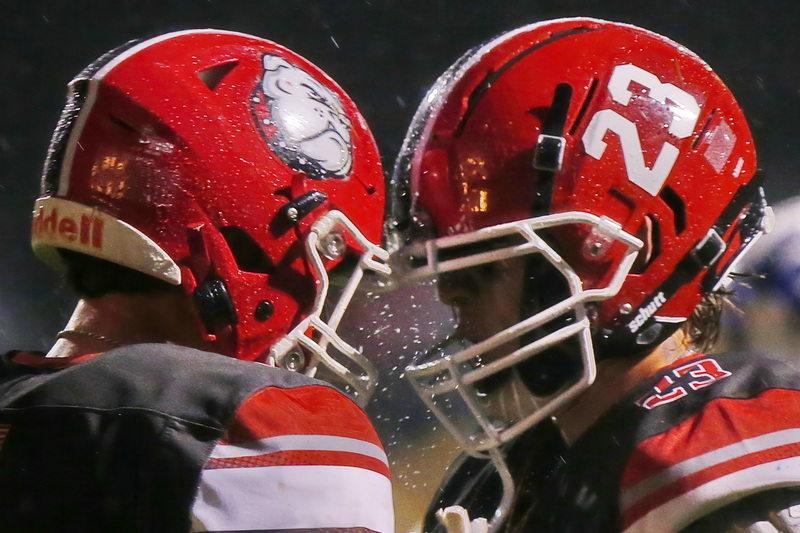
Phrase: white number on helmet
(685, 113)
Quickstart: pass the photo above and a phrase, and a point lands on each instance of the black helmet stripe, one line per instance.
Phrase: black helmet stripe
(76, 102)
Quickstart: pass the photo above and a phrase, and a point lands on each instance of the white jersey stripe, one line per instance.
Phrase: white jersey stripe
(683, 510)
(686, 468)
(293, 497)
(284, 443)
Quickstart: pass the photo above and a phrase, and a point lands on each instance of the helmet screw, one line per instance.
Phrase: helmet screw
(626, 309)
(332, 245)
(595, 249)
(292, 213)
(263, 311)
(294, 360)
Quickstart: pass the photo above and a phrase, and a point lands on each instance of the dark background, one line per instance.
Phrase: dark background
(384, 53)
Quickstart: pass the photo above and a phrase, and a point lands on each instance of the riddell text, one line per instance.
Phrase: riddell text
(88, 230)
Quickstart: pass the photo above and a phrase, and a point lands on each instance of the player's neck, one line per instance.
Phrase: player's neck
(100, 324)
(615, 377)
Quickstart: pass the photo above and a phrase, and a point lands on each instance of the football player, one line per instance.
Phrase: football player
(213, 198)
(581, 190)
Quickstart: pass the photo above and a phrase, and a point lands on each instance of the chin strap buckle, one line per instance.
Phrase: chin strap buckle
(709, 249)
(549, 153)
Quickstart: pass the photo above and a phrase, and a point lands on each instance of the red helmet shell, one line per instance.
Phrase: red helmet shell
(197, 138)
(651, 135)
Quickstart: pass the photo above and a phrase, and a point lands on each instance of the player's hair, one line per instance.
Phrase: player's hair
(91, 277)
(704, 326)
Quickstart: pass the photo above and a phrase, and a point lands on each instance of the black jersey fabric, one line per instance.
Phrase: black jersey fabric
(116, 442)
(704, 436)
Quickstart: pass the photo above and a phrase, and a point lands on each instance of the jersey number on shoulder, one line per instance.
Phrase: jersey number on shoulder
(676, 385)
(685, 112)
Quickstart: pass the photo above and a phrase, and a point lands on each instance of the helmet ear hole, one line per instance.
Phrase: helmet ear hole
(249, 256)
(650, 234)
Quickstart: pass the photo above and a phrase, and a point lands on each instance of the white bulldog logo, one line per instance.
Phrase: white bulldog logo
(303, 121)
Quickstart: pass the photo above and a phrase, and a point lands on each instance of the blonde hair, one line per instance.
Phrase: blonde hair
(704, 325)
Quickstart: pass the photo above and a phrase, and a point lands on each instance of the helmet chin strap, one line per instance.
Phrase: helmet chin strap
(749, 212)
(548, 155)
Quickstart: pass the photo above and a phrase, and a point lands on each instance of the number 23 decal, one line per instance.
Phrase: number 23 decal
(685, 113)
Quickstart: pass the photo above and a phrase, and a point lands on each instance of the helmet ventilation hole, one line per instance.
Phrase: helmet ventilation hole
(625, 200)
(213, 76)
(703, 131)
(584, 106)
(122, 123)
(678, 207)
(249, 256)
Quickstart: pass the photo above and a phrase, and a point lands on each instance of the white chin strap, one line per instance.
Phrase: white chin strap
(315, 334)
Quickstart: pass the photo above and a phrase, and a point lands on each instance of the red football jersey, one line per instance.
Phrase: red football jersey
(159, 437)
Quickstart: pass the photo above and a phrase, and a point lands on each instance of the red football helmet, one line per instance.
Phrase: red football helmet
(233, 167)
(569, 143)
